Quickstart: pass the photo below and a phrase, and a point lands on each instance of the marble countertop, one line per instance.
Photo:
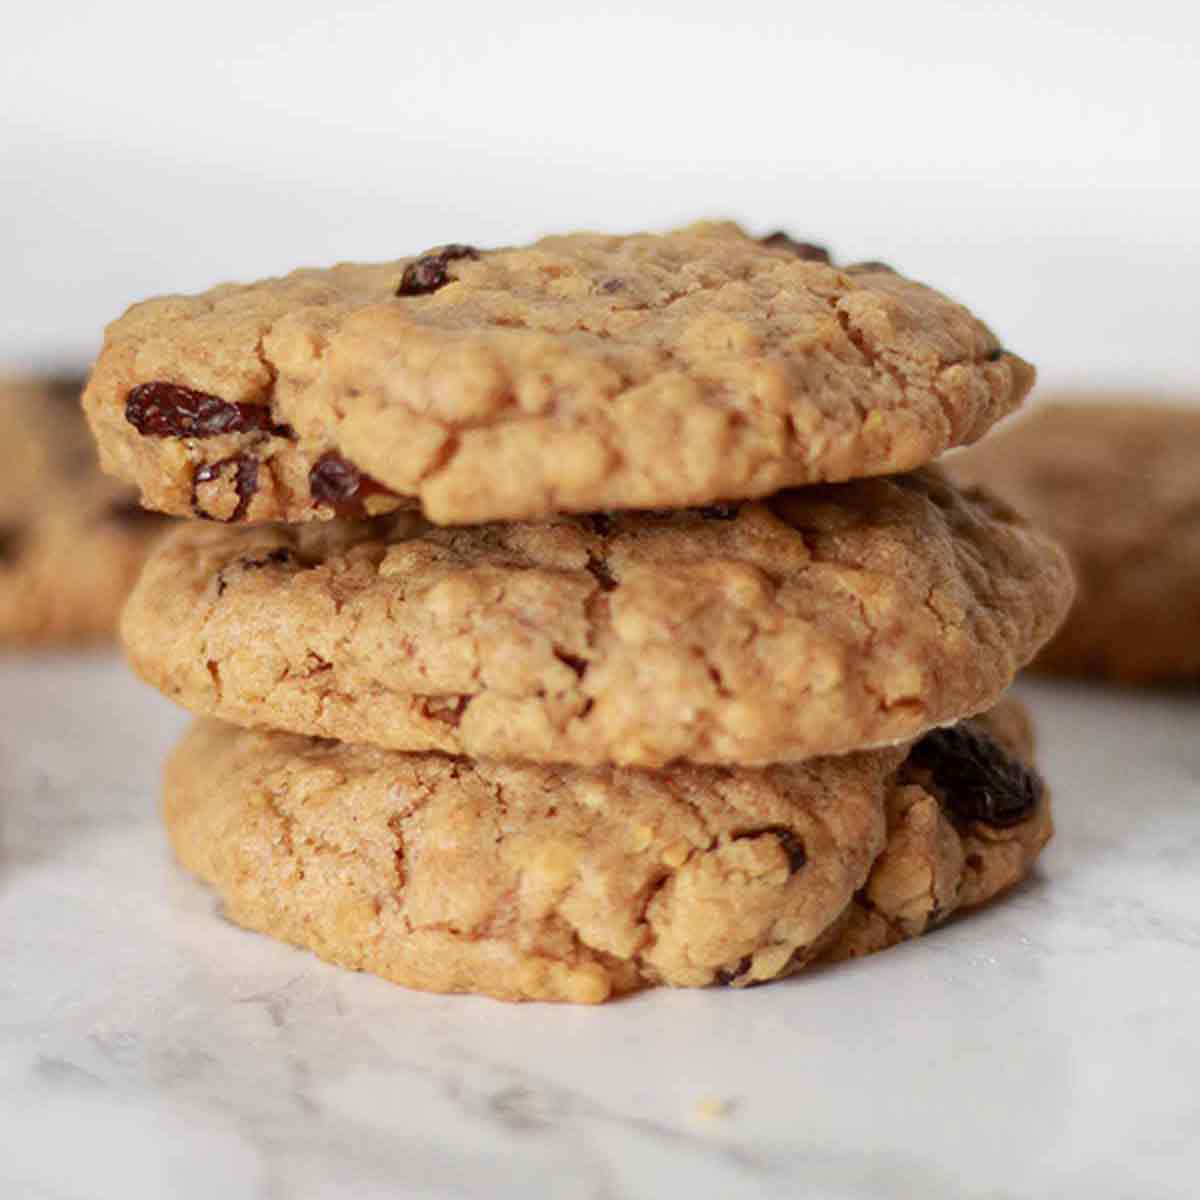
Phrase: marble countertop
(1048, 1046)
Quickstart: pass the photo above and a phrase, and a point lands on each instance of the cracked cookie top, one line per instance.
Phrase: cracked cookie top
(71, 539)
(583, 372)
(819, 621)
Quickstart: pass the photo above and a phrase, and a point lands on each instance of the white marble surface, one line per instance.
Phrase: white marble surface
(1049, 1046)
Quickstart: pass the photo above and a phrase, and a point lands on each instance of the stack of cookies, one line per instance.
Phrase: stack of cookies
(541, 645)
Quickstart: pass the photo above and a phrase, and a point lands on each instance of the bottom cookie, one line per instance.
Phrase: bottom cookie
(529, 882)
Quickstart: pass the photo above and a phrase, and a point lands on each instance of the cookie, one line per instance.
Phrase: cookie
(71, 540)
(582, 373)
(565, 883)
(822, 620)
(966, 818)
(1118, 484)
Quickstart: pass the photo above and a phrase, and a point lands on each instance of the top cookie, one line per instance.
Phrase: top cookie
(71, 539)
(584, 372)
(1118, 484)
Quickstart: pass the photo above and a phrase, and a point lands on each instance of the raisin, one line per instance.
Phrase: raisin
(600, 523)
(862, 268)
(806, 251)
(977, 779)
(334, 480)
(245, 482)
(428, 273)
(789, 843)
(578, 665)
(728, 976)
(169, 410)
(996, 355)
(611, 286)
(337, 482)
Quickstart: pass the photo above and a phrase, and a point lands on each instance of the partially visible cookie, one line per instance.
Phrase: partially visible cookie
(584, 372)
(71, 540)
(1118, 484)
(552, 883)
(819, 621)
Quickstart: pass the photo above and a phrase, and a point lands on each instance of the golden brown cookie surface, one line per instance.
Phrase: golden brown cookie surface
(551, 883)
(820, 621)
(584, 372)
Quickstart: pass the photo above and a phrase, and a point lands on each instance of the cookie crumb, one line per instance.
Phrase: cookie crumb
(711, 1108)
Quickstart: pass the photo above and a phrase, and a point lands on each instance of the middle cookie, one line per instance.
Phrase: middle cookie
(823, 620)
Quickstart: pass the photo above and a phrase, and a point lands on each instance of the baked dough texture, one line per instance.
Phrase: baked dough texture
(528, 882)
(584, 372)
(821, 621)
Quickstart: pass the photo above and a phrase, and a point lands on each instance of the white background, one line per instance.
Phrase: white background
(1039, 161)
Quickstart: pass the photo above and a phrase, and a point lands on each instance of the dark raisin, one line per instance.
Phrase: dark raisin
(728, 976)
(10, 540)
(996, 355)
(578, 665)
(807, 251)
(169, 410)
(337, 482)
(867, 266)
(600, 523)
(428, 273)
(720, 512)
(334, 480)
(611, 286)
(976, 778)
(245, 483)
(789, 843)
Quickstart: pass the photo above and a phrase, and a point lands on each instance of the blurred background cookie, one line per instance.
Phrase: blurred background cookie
(1116, 480)
(71, 540)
